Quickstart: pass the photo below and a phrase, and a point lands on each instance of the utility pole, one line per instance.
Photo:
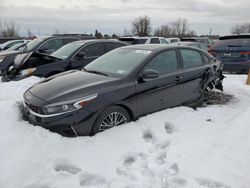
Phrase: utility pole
(210, 32)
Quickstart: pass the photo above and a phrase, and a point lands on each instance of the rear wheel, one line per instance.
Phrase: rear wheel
(111, 117)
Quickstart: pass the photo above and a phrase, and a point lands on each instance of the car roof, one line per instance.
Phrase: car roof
(184, 43)
(154, 47)
(98, 40)
(11, 41)
(242, 36)
(137, 37)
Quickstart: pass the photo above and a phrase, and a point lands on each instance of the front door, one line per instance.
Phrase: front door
(164, 91)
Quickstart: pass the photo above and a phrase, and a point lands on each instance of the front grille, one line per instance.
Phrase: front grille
(34, 108)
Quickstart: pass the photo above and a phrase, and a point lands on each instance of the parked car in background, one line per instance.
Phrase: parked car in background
(74, 55)
(234, 52)
(204, 40)
(11, 43)
(121, 86)
(17, 47)
(144, 40)
(193, 44)
(172, 40)
(43, 45)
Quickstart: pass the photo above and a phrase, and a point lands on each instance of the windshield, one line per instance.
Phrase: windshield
(65, 51)
(119, 62)
(32, 44)
(15, 47)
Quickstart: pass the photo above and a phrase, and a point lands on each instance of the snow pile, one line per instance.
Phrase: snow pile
(179, 147)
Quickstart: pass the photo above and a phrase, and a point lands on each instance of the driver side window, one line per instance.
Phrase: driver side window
(52, 45)
(94, 50)
(164, 62)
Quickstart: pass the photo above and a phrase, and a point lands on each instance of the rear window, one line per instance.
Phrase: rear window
(155, 41)
(232, 43)
(140, 41)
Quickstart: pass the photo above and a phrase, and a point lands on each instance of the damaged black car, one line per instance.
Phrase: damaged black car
(74, 55)
(121, 86)
(42, 45)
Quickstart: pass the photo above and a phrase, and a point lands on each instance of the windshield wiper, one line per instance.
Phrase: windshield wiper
(95, 72)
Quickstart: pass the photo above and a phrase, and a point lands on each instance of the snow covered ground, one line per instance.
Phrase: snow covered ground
(174, 148)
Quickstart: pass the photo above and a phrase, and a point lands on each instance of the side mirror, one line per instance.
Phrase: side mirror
(80, 55)
(149, 74)
(45, 50)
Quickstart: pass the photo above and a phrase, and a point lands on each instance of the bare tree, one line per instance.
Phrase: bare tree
(141, 26)
(178, 28)
(9, 29)
(164, 31)
(29, 34)
(241, 28)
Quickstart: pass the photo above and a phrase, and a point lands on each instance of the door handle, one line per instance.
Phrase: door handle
(178, 78)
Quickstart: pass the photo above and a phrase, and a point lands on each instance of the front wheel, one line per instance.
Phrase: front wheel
(111, 117)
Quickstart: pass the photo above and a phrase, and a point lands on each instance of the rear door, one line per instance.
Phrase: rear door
(164, 91)
(192, 69)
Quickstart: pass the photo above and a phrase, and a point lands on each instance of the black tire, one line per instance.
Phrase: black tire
(101, 119)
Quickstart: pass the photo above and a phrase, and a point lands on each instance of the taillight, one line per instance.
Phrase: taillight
(245, 53)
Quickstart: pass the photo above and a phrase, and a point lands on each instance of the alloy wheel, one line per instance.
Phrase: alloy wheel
(113, 119)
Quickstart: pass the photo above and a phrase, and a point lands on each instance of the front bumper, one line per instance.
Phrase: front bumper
(76, 123)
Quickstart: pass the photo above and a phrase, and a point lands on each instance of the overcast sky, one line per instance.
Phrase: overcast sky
(113, 16)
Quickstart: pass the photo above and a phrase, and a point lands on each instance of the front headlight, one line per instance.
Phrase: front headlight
(68, 106)
(1, 58)
(26, 72)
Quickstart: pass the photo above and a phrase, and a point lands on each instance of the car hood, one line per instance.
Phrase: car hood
(21, 59)
(72, 85)
(10, 58)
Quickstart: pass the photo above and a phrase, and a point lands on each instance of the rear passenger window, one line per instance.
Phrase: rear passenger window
(94, 50)
(174, 40)
(164, 62)
(111, 46)
(68, 40)
(191, 58)
(155, 41)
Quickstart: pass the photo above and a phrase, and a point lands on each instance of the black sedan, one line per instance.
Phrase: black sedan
(121, 86)
(74, 55)
(44, 45)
